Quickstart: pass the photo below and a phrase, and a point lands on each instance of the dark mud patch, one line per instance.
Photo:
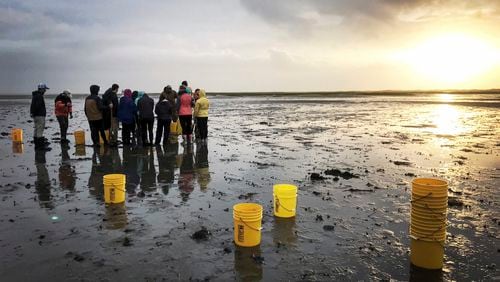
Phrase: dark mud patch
(246, 196)
(343, 174)
(316, 176)
(201, 235)
(402, 163)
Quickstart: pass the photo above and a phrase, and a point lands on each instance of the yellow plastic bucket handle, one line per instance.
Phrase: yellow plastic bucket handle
(280, 205)
(256, 229)
(114, 187)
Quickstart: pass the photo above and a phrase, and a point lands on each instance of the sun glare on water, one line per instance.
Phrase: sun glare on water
(452, 58)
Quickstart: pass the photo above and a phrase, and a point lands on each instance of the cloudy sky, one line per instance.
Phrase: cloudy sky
(250, 45)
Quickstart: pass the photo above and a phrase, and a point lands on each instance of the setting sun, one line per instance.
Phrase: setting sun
(452, 58)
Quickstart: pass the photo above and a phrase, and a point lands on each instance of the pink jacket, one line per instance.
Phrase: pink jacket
(185, 105)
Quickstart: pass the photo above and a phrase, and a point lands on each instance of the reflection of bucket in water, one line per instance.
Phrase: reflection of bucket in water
(17, 135)
(80, 151)
(247, 224)
(285, 200)
(248, 263)
(79, 137)
(429, 186)
(428, 255)
(116, 216)
(418, 274)
(106, 133)
(284, 231)
(17, 148)
(114, 188)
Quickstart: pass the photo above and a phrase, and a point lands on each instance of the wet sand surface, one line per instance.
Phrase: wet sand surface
(353, 159)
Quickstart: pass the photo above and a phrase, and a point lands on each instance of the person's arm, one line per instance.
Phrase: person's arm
(70, 108)
(85, 108)
(196, 109)
(32, 106)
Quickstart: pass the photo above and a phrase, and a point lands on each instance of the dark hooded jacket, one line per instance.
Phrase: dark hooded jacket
(37, 108)
(145, 106)
(109, 97)
(163, 110)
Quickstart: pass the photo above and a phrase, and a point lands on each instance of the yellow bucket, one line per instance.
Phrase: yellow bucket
(429, 187)
(106, 132)
(17, 148)
(429, 206)
(429, 213)
(80, 151)
(415, 221)
(247, 224)
(79, 137)
(114, 188)
(175, 128)
(17, 135)
(436, 235)
(284, 200)
(428, 255)
(116, 216)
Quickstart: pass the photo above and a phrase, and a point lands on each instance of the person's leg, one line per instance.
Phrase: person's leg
(189, 123)
(166, 131)
(205, 128)
(159, 131)
(114, 130)
(183, 122)
(42, 126)
(94, 132)
(100, 126)
(66, 125)
(38, 125)
(144, 132)
(201, 124)
(150, 130)
(61, 125)
(125, 134)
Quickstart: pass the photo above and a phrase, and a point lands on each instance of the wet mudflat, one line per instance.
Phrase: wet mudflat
(353, 159)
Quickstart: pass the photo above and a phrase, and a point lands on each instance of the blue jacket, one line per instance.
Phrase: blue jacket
(127, 110)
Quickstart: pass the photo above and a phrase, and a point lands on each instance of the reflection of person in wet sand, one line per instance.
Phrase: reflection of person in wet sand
(166, 164)
(186, 173)
(67, 174)
(130, 168)
(99, 161)
(42, 183)
(148, 173)
(201, 166)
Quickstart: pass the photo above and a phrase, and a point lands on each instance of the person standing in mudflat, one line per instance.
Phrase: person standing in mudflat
(201, 115)
(185, 111)
(145, 106)
(62, 109)
(93, 110)
(110, 116)
(38, 113)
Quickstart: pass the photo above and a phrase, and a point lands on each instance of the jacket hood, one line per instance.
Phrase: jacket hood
(94, 89)
(203, 94)
(127, 93)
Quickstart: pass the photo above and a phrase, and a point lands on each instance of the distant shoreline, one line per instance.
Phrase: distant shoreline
(313, 93)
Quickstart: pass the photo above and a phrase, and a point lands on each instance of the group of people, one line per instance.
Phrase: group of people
(135, 110)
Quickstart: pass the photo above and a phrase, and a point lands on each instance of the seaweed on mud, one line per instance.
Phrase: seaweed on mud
(345, 175)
